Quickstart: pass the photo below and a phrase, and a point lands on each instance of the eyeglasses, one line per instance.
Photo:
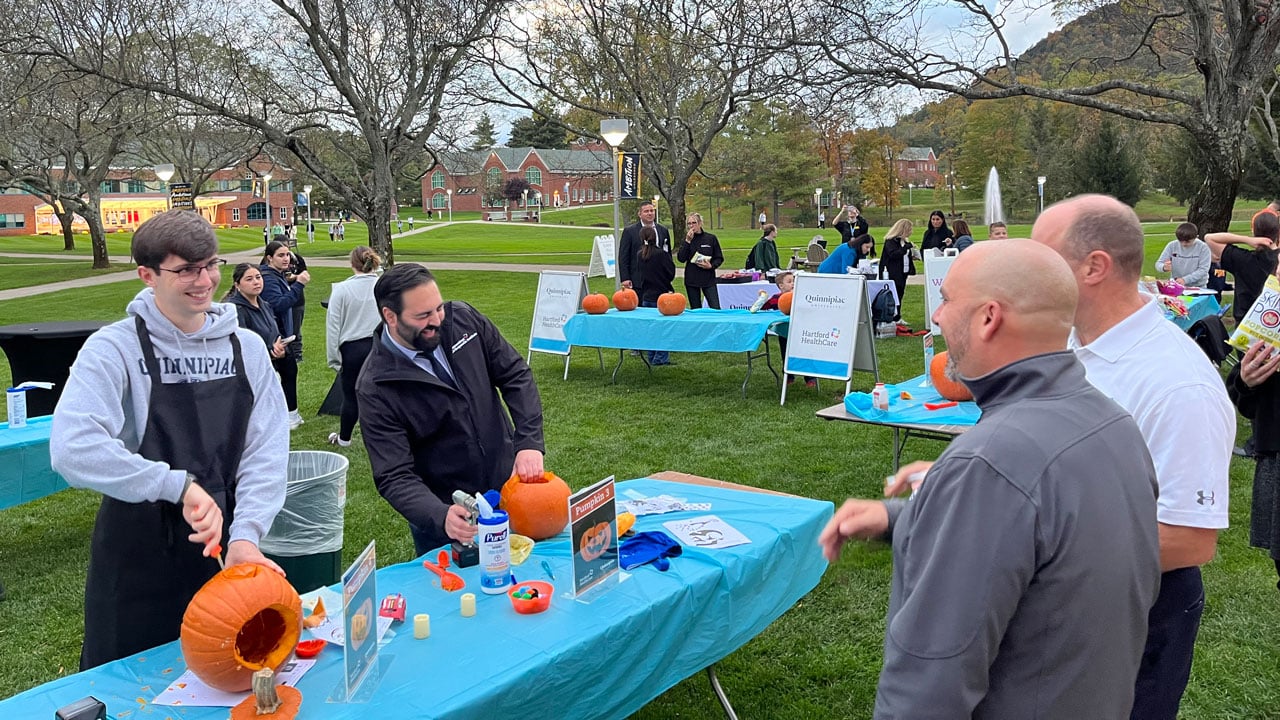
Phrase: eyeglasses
(691, 223)
(189, 273)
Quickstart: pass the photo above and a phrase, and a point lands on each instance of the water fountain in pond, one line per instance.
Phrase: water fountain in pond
(992, 210)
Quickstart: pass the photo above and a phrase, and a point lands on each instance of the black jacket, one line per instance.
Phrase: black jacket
(629, 253)
(282, 296)
(657, 273)
(261, 320)
(892, 255)
(426, 439)
(707, 244)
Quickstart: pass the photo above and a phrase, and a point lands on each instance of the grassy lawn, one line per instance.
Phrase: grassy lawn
(22, 272)
(820, 660)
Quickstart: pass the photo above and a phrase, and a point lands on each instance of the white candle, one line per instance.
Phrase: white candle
(468, 604)
(422, 626)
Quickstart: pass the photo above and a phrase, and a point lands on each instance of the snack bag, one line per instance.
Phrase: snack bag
(1263, 320)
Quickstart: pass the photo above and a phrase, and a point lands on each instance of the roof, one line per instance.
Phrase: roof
(915, 153)
(568, 162)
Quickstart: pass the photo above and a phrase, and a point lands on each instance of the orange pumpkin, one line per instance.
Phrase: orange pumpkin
(945, 386)
(245, 618)
(537, 509)
(626, 299)
(596, 304)
(626, 521)
(671, 303)
(784, 303)
(595, 541)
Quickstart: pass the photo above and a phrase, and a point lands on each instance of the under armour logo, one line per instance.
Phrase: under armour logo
(1203, 499)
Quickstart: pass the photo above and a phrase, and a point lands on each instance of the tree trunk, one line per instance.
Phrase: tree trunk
(97, 235)
(1211, 207)
(380, 236)
(66, 218)
(753, 214)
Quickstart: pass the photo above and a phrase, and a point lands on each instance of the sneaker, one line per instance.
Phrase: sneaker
(334, 439)
(791, 379)
(295, 419)
(811, 383)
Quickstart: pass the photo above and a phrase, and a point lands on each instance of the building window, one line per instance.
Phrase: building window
(284, 213)
(257, 211)
(110, 186)
(13, 220)
(246, 186)
(235, 214)
(437, 180)
(439, 201)
(534, 176)
(137, 187)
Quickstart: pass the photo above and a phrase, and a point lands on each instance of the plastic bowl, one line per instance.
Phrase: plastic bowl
(534, 605)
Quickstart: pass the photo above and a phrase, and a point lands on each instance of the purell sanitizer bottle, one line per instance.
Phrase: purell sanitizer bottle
(495, 552)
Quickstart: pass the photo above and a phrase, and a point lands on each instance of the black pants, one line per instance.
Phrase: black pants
(353, 353)
(1173, 624)
(288, 369)
(712, 292)
(900, 284)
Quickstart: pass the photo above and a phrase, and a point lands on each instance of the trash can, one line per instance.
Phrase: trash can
(306, 537)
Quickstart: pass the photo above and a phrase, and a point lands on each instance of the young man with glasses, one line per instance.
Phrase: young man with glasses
(175, 416)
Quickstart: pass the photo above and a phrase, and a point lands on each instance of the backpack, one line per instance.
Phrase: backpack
(883, 308)
(1211, 335)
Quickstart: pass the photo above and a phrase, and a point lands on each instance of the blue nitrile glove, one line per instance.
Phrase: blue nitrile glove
(654, 547)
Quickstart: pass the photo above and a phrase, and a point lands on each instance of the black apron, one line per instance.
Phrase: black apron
(143, 571)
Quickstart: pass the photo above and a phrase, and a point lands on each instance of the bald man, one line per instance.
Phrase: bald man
(1157, 373)
(1024, 565)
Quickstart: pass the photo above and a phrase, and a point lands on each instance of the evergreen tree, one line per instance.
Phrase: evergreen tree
(539, 132)
(1107, 166)
(485, 135)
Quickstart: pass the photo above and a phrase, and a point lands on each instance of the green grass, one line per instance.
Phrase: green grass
(820, 660)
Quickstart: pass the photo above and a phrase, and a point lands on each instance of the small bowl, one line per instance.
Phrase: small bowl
(534, 605)
(310, 648)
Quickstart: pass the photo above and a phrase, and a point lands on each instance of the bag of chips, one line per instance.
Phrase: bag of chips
(1262, 321)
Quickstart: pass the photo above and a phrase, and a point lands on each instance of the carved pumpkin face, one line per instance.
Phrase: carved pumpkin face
(945, 386)
(671, 303)
(536, 509)
(244, 619)
(595, 304)
(626, 299)
(595, 541)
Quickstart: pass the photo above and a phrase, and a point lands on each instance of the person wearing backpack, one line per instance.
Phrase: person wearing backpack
(764, 255)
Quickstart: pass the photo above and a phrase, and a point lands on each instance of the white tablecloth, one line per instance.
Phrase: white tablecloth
(739, 296)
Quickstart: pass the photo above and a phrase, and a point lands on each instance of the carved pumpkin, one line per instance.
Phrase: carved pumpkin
(784, 303)
(946, 387)
(671, 303)
(244, 619)
(595, 541)
(596, 304)
(536, 509)
(626, 299)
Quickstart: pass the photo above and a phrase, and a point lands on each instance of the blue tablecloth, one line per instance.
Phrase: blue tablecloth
(701, 330)
(1198, 308)
(912, 411)
(605, 659)
(25, 474)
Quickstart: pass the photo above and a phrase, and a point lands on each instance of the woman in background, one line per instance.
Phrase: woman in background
(353, 318)
(281, 296)
(256, 314)
(937, 235)
(895, 259)
(964, 238)
(656, 270)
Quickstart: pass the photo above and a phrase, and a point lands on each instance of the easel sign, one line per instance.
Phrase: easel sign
(831, 333)
(560, 294)
(604, 260)
(935, 270)
(362, 670)
(593, 537)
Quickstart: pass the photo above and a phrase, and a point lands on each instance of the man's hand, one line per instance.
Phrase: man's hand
(240, 552)
(626, 284)
(861, 519)
(1258, 364)
(903, 481)
(204, 516)
(528, 465)
(457, 525)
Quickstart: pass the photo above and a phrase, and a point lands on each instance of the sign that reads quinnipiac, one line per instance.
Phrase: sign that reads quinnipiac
(560, 295)
(629, 176)
(825, 310)
(180, 197)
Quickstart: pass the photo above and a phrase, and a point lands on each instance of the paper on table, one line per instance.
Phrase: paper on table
(708, 531)
(331, 629)
(658, 505)
(190, 691)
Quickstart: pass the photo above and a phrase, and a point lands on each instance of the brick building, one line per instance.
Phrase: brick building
(917, 165)
(560, 177)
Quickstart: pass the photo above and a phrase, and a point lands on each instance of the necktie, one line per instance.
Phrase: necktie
(441, 372)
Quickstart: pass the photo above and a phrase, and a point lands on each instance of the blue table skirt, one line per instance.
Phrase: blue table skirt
(913, 411)
(701, 330)
(25, 472)
(1198, 308)
(605, 659)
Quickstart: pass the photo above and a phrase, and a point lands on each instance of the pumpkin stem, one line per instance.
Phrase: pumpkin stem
(264, 691)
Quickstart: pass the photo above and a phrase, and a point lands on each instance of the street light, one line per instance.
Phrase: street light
(655, 209)
(614, 131)
(449, 192)
(537, 200)
(266, 194)
(163, 173)
(911, 194)
(306, 190)
(1040, 183)
(524, 199)
(817, 199)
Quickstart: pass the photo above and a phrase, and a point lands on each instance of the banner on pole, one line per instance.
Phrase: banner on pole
(629, 176)
(180, 197)
(560, 294)
(604, 260)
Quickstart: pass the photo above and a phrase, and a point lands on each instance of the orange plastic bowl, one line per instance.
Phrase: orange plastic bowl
(533, 605)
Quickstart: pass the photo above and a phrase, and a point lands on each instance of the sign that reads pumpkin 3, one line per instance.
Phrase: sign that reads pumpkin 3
(593, 532)
(629, 176)
(361, 667)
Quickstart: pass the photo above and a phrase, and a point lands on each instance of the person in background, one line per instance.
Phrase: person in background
(963, 238)
(847, 255)
(937, 236)
(281, 296)
(849, 223)
(764, 255)
(174, 415)
(997, 231)
(700, 276)
(895, 260)
(349, 327)
(822, 218)
(1187, 258)
(410, 223)
(786, 281)
(656, 271)
(297, 266)
(763, 218)
(1001, 603)
(630, 245)
(1255, 391)
(252, 312)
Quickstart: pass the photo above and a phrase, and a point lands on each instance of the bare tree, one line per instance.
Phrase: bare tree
(198, 145)
(1195, 64)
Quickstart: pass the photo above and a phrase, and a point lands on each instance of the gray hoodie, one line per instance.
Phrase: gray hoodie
(98, 424)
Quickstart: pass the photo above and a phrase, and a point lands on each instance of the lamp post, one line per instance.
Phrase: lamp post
(911, 194)
(888, 171)
(524, 202)
(164, 172)
(449, 193)
(306, 190)
(817, 199)
(1040, 183)
(614, 131)
(655, 209)
(266, 194)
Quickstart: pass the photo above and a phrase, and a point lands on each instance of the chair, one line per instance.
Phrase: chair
(814, 257)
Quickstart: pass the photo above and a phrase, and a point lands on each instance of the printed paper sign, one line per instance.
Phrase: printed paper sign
(559, 296)
(604, 260)
(190, 691)
(708, 532)
(935, 269)
(593, 532)
(359, 613)
(825, 314)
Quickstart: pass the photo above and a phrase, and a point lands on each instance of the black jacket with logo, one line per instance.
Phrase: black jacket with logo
(426, 439)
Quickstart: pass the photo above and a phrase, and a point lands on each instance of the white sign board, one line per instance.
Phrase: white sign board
(935, 269)
(831, 333)
(560, 294)
(604, 260)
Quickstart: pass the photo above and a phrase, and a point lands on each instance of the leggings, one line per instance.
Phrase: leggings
(353, 353)
(287, 366)
(712, 292)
